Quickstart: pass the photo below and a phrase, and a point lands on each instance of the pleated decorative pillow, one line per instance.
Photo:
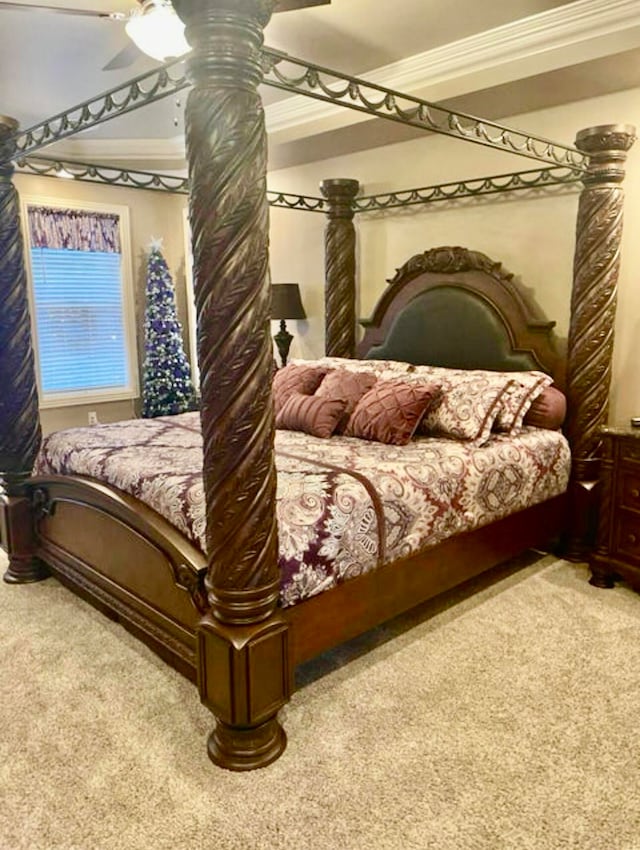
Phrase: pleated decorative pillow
(391, 411)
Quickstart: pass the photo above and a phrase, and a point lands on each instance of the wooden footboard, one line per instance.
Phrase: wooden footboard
(125, 559)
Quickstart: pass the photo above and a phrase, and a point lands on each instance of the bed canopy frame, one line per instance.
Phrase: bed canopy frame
(242, 632)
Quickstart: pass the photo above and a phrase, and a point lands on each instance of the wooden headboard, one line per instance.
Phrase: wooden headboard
(458, 308)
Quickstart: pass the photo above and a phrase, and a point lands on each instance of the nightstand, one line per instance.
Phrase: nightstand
(617, 552)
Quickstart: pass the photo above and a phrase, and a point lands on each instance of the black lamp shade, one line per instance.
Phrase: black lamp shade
(286, 302)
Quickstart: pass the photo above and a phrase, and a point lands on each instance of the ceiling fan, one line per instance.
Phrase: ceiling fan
(152, 26)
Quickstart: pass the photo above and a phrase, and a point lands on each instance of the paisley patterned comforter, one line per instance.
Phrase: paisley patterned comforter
(344, 505)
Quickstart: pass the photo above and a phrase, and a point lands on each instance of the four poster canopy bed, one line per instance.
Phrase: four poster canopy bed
(401, 466)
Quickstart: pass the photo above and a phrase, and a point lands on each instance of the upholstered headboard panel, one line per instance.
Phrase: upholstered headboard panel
(457, 308)
(451, 327)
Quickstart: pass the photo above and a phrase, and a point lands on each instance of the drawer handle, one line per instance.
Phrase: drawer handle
(635, 493)
(631, 538)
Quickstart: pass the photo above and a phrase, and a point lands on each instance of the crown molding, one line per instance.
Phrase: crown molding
(104, 150)
(578, 31)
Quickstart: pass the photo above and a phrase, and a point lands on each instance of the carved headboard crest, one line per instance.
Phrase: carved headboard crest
(449, 260)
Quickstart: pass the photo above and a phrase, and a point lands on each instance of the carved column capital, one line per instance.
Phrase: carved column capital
(340, 267)
(340, 193)
(226, 36)
(607, 146)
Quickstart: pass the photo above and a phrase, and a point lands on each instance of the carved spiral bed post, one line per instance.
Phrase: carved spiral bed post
(243, 673)
(593, 307)
(19, 418)
(340, 268)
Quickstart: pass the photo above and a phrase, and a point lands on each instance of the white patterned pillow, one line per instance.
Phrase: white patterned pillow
(519, 397)
(469, 403)
(383, 369)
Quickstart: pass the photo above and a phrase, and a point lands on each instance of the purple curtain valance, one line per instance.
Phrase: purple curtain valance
(77, 230)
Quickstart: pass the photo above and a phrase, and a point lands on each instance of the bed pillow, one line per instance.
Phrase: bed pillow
(517, 400)
(390, 411)
(385, 369)
(301, 378)
(548, 410)
(348, 385)
(468, 406)
(311, 414)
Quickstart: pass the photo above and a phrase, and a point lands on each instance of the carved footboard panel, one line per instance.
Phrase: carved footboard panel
(125, 559)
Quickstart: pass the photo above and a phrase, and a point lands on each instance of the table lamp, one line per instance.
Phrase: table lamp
(285, 304)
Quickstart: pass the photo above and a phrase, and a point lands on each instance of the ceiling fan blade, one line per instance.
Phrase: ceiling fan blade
(289, 5)
(123, 58)
(281, 6)
(59, 10)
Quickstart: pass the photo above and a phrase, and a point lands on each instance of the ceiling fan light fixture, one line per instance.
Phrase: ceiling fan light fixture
(158, 31)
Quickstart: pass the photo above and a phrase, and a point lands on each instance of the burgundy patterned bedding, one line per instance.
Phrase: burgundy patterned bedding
(344, 505)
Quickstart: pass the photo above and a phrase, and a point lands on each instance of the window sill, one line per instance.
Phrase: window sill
(82, 399)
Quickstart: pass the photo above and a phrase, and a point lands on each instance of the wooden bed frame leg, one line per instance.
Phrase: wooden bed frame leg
(602, 574)
(17, 535)
(593, 306)
(19, 419)
(244, 679)
(243, 654)
(583, 506)
(340, 268)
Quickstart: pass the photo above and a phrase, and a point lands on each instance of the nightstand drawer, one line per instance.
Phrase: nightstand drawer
(629, 450)
(629, 484)
(627, 535)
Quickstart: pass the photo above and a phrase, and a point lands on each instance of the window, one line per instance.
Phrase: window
(81, 300)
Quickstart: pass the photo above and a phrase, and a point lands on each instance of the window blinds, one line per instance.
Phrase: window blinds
(80, 320)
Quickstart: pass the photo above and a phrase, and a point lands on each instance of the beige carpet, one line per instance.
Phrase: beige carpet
(504, 719)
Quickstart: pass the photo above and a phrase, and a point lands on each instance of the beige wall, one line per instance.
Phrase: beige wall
(532, 237)
(152, 214)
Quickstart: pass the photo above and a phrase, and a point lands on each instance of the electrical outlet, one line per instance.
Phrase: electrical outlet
(93, 417)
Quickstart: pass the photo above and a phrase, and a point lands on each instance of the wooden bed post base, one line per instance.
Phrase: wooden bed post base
(17, 535)
(244, 679)
(600, 561)
(582, 515)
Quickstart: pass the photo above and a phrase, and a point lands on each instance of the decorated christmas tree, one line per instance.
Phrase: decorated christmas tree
(167, 384)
